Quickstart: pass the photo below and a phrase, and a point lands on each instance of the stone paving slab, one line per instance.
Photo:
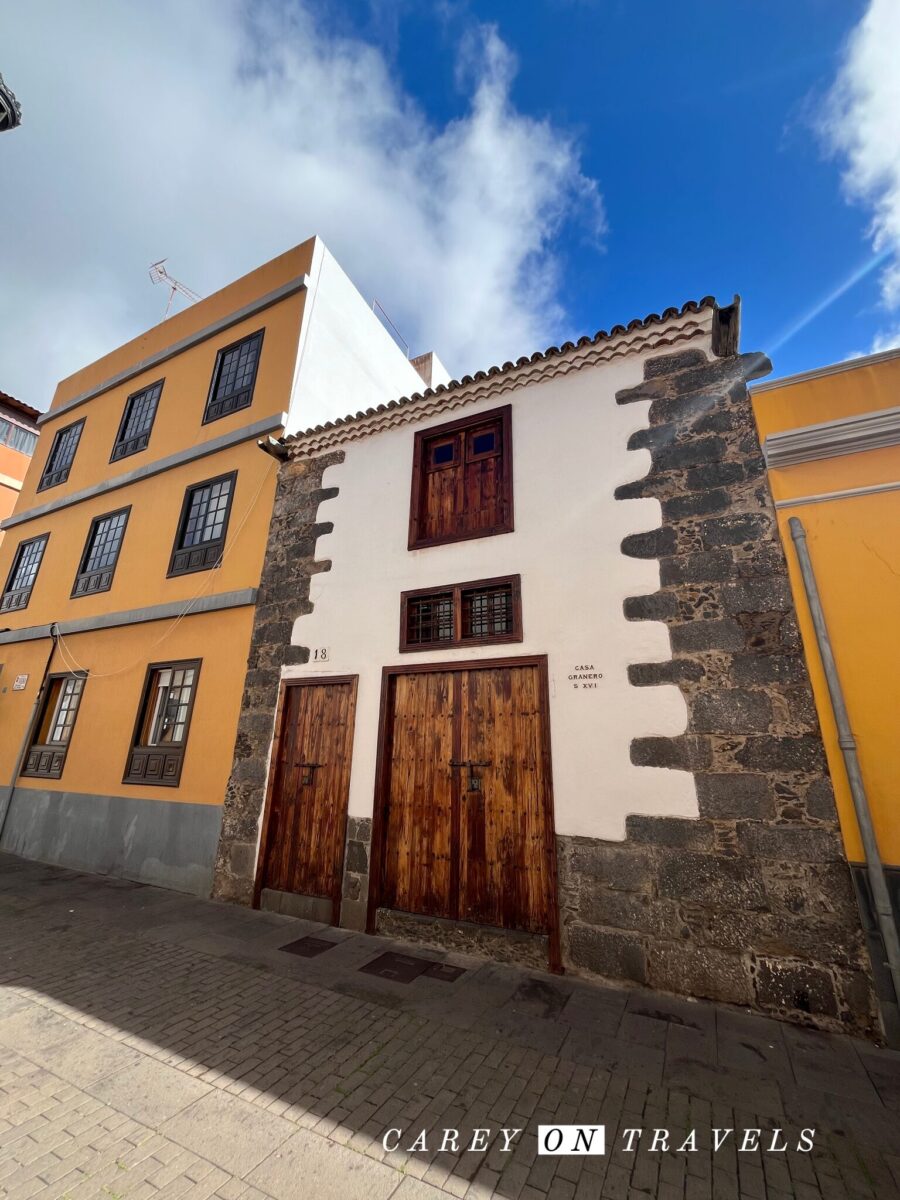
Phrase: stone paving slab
(155, 1045)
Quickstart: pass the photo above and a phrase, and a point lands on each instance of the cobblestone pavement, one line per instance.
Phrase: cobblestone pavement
(155, 1045)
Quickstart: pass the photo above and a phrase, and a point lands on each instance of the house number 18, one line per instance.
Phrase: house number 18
(320, 654)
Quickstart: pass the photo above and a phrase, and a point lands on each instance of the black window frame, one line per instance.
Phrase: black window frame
(125, 447)
(47, 759)
(53, 476)
(15, 601)
(204, 556)
(160, 764)
(218, 407)
(100, 579)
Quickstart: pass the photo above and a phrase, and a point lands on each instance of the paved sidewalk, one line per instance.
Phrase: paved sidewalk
(154, 1045)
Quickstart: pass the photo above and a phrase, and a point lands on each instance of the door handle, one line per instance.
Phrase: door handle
(309, 772)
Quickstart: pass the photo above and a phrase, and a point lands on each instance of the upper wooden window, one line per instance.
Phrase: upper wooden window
(200, 540)
(483, 612)
(61, 456)
(163, 721)
(462, 480)
(101, 553)
(50, 743)
(23, 573)
(233, 377)
(137, 422)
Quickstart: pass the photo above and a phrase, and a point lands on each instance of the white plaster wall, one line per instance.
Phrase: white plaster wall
(569, 438)
(347, 361)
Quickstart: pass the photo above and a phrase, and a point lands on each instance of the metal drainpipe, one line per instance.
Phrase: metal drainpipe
(26, 737)
(884, 913)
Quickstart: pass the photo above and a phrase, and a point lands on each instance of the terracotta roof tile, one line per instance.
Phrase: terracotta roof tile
(603, 335)
(19, 406)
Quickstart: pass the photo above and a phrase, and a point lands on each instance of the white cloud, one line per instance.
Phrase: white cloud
(862, 123)
(185, 131)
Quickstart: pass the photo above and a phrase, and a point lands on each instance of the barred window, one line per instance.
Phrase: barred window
(233, 378)
(61, 456)
(23, 573)
(486, 611)
(430, 619)
(137, 422)
(101, 553)
(204, 522)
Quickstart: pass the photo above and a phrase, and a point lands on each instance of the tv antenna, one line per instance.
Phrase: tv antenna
(159, 274)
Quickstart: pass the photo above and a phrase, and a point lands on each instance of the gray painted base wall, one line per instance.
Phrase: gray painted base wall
(171, 844)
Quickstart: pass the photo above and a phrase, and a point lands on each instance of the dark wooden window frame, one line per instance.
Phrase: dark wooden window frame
(456, 590)
(50, 478)
(46, 760)
(212, 399)
(175, 753)
(15, 601)
(272, 781)
(382, 786)
(212, 551)
(122, 449)
(100, 580)
(425, 437)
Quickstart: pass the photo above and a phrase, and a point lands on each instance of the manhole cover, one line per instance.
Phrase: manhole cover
(308, 947)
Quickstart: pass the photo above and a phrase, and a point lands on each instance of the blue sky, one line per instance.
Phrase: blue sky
(701, 134)
(500, 175)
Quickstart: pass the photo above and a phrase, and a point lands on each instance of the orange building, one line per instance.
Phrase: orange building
(18, 437)
(131, 564)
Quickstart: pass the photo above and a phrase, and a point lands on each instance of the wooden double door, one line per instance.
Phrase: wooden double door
(465, 795)
(306, 821)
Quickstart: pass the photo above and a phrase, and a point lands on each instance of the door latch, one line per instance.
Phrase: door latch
(308, 772)
(474, 784)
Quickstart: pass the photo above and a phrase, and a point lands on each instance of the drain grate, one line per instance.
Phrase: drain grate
(401, 968)
(404, 968)
(308, 947)
(444, 972)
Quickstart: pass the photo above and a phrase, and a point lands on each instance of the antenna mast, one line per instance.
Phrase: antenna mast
(159, 274)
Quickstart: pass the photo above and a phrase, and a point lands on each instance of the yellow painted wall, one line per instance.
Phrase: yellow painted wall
(854, 544)
(117, 658)
(118, 661)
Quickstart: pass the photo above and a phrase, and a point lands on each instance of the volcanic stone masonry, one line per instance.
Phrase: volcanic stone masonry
(288, 568)
(753, 903)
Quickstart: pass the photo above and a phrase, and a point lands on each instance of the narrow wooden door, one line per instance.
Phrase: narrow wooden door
(419, 837)
(468, 829)
(304, 849)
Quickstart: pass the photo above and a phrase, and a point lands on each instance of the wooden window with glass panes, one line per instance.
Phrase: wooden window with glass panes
(483, 612)
(164, 718)
(101, 553)
(47, 753)
(200, 541)
(61, 456)
(234, 378)
(23, 574)
(137, 422)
